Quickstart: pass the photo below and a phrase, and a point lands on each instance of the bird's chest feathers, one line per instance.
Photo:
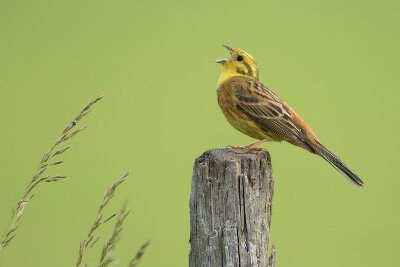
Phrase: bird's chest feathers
(227, 101)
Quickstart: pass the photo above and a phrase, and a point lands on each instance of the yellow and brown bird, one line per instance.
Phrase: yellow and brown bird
(253, 109)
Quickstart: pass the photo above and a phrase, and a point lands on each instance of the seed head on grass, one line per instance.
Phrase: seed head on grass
(49, 160)
(91, 239)
(106, 254)
(135, 260)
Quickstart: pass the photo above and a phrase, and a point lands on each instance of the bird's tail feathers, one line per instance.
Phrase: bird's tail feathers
(337, 163)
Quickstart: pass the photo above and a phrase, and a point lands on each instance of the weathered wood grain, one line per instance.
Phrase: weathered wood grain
(230, 210)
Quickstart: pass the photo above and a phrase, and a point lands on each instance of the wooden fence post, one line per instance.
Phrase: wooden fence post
(230, 210)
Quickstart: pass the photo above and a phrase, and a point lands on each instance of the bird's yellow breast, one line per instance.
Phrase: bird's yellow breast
(227, 101)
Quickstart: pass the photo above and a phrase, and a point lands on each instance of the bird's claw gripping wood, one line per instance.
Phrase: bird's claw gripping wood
(252, 148)
(245, 149)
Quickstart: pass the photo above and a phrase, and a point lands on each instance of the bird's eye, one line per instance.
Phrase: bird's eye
(239, 58)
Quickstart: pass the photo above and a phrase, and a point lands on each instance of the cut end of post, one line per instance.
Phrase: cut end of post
(222, 154)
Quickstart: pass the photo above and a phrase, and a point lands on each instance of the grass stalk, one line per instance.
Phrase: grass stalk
(49, 160)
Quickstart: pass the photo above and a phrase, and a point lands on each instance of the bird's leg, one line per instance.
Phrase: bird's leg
(252, 148)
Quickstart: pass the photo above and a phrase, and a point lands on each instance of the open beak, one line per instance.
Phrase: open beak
(224, 60)
(221, 61)
(230, 49)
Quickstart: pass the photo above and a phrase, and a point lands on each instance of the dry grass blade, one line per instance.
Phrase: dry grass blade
(106, 254)
(135, 261)
(90, 240)
(39, 176)
(272, 257)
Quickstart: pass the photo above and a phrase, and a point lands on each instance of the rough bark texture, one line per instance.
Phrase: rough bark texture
(230, 210)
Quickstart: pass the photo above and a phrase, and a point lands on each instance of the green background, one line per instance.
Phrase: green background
(335, 62)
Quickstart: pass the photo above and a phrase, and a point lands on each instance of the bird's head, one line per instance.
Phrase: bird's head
(240, 63)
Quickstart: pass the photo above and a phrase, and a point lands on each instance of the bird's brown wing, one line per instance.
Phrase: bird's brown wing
(270, 113)
(277, 119)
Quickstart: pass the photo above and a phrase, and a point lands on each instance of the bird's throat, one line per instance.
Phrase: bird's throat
(227, 73)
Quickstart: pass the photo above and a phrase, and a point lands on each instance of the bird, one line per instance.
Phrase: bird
(253, 109)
